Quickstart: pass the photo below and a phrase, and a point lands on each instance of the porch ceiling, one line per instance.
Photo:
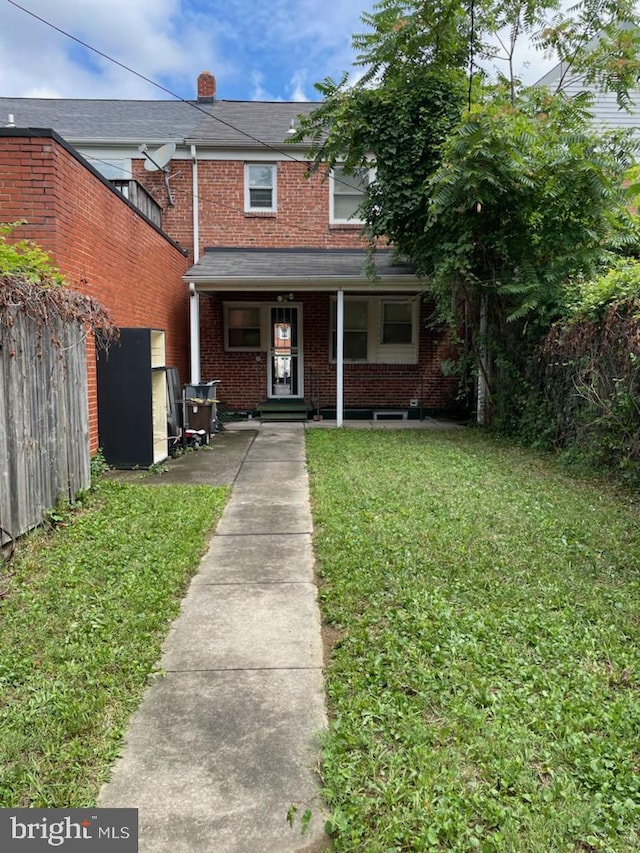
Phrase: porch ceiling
(265, 270)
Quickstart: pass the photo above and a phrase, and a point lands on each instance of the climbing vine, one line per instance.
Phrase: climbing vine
(32, 286)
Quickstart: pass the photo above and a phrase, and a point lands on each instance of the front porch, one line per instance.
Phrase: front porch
(298, 334)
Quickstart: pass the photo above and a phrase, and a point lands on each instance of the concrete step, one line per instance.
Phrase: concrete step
(283, 416)
(284, 405)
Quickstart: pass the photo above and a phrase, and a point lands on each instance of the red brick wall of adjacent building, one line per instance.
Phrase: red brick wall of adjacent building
(102, 246)
(243, 375)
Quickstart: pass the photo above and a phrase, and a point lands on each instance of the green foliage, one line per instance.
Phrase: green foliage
(82, 619)
(595, 296)
(527, 196)
(26, 259)
(406, 36)
(483, 692)
(586, 378)
(490, 188)
(581, 392)
(401, 128)
(97, 465)
(598, 40)
(305, 818)
(30, 284)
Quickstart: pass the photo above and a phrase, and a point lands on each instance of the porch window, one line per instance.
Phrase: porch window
(378, 330)
(356, 329)
(347, 193)
(260, 187)
(397, 323)
(243, 328)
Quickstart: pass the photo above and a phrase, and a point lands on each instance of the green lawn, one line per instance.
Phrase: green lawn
(485, 688)
(83, 612)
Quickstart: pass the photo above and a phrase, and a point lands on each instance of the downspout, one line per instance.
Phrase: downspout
(194, 298)
(340, 359)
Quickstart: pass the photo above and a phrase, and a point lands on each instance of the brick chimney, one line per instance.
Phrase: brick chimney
(206, 88)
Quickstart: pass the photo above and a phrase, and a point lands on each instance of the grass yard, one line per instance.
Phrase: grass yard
(83, 613)
(484, 689)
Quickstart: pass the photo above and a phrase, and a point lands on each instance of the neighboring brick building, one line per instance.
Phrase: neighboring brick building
(277, 255)
(100, 242)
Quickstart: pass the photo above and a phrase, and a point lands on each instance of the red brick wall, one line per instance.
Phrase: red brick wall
(100, 244)
(244, 374)
(302, 217)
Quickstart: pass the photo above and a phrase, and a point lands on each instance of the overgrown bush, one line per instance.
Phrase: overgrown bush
(584, 381)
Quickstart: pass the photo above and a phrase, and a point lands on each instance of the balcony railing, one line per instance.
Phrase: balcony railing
(138, 196)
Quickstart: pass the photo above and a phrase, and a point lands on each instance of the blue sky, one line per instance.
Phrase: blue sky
(257, 49)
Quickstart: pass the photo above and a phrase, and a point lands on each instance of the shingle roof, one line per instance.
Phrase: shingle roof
(139, 121)
(268, 121)
(283, 265)
(76, 119)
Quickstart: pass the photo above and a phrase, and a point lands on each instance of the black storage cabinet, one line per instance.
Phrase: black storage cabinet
(132, 399)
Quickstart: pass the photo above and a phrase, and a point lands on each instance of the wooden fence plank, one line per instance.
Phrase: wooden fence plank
(44, 423)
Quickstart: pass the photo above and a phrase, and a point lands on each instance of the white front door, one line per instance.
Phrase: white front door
(284, 374)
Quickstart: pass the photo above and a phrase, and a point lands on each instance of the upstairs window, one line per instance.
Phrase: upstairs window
(260, 187)
(347, 193)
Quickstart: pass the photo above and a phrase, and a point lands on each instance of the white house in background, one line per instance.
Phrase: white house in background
(606, 111)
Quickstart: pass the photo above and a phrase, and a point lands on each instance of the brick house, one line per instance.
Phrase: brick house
(281, 308)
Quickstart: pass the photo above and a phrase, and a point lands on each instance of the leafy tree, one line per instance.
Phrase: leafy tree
(499, 193)
(525, 197)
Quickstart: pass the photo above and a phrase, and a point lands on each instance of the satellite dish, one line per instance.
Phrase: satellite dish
(158, 159)
(158, 162)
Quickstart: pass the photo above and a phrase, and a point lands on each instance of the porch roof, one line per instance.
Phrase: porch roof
(263, 269)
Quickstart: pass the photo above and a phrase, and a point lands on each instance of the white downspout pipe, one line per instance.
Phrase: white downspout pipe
(340, 359)
(194, 333)
(194, 298)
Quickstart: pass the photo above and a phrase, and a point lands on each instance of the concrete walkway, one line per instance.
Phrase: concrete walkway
(226, 742)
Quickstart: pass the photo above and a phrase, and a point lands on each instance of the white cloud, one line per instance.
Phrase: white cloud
(154, 37)
(258, 91)
(297, 86)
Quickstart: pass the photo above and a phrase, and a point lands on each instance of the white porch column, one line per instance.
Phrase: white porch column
(194, 333)
(340, 359)
(194, 298)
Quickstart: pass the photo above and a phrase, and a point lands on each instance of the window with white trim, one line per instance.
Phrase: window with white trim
(242, 326)
(346, 193)
(260, 187)
(378, 330)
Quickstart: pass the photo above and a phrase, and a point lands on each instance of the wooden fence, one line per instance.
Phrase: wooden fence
(44, 423)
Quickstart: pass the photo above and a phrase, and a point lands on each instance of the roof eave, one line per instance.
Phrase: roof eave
(309, 283)
(120, 142)
(233, 144)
